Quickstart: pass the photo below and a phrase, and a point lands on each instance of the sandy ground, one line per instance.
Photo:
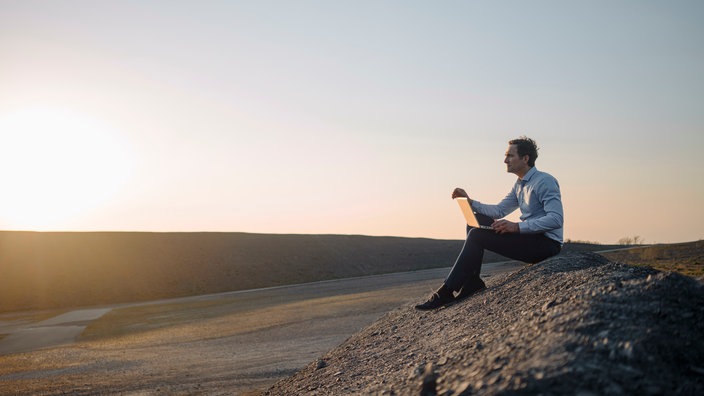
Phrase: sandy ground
(23, 335)
(228, 343)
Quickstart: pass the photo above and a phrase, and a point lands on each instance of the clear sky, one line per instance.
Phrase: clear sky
(348, 117)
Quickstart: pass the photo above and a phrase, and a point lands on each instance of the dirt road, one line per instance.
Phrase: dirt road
(225, 343)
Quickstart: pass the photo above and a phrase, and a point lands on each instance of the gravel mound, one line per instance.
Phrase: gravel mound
(575, 324)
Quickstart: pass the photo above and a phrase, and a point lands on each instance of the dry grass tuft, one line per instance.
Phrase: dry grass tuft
(684, 258)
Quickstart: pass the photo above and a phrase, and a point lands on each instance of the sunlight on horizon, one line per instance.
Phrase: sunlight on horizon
(347, 118)
(57, 164)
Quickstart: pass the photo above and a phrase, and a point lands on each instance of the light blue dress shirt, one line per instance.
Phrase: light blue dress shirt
(538, 198)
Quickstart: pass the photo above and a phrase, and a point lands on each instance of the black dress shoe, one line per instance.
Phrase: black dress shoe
(472, 287)
(435, 301)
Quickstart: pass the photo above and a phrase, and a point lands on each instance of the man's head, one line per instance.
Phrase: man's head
(526, 146)
(521, 155)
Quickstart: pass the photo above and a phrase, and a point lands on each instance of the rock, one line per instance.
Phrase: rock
(320, 364)
(429, 385)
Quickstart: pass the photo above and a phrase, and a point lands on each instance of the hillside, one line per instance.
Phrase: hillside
(65, 269)
(574, 324)
(40, 270)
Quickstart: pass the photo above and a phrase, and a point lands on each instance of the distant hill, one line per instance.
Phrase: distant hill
(576, 324)
(41, 270)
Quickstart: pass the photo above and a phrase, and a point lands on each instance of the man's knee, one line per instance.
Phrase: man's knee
(477, 235)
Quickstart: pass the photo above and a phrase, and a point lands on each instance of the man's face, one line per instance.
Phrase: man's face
(514, 163)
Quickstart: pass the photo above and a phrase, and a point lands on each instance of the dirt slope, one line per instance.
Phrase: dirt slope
(574, 324)
(41, 270)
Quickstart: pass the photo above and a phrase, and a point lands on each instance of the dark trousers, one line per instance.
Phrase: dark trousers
(529, 248)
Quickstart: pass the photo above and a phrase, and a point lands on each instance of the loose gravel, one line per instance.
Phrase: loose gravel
(576, 324)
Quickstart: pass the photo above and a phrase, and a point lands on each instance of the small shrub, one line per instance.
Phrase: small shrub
(634, 240)
(655, 253)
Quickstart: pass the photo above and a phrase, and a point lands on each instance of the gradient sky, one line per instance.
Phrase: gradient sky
(348, 117)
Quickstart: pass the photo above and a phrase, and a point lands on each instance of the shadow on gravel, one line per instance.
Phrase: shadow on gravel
(639, 331)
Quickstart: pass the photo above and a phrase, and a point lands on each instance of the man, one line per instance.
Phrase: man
(536, 237)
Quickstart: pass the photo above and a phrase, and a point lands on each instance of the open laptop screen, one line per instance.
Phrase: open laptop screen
(469, 214)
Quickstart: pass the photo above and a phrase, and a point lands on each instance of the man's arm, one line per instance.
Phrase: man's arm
(500, 226)
(505, 227)
(500, 210)
(548, 193)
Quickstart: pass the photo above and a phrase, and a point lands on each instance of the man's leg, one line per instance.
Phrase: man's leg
(445, 295)
(469, 261)
(529, 248)
(464, 276)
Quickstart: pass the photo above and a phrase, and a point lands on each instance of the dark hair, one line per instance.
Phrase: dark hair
(526, 146)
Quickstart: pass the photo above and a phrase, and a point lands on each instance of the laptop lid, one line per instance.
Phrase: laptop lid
(469, 213)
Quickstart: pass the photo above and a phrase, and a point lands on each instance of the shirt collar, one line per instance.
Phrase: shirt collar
(529, 174)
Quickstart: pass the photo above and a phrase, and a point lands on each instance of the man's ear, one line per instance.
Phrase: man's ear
(525, 158)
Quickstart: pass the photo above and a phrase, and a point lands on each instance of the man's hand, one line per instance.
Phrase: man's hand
(505, 226)
(458, 192)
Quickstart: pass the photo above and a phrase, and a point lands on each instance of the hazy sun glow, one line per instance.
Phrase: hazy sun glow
(56, 164)
(313, 117)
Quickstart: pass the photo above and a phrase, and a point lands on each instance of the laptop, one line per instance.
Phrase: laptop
(469, 214)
